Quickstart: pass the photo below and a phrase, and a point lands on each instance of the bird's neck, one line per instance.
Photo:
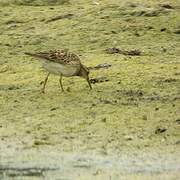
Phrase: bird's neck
(82, 72)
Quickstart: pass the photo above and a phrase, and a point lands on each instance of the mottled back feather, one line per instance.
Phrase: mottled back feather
(59, 56)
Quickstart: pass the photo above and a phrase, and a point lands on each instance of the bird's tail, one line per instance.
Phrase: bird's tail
(30, 54)
(35, 55)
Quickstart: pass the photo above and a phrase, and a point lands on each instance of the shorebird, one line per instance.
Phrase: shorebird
(62, 63)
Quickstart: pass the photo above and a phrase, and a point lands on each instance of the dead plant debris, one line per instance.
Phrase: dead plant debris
(99, 80)
(114, 50)
(99, 66)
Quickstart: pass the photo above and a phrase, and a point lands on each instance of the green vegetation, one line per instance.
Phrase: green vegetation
(138, 108)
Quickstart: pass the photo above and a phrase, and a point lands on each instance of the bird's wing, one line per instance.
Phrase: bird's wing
(58, 56)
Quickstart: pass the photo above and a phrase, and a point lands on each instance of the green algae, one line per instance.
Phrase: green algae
(122, 114)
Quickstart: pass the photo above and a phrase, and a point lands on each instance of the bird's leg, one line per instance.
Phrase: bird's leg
(89, 83)
(60, 82)
(45, 81)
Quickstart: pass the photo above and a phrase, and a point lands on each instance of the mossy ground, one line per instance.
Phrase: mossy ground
(120, 115)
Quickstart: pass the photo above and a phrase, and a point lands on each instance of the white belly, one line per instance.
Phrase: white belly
(56, 68)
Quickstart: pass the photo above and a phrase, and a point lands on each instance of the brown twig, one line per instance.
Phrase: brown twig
(66, 16)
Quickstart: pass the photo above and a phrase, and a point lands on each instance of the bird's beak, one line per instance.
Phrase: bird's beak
(89, 83)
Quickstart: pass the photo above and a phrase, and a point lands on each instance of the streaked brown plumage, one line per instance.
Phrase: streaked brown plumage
(63, 63)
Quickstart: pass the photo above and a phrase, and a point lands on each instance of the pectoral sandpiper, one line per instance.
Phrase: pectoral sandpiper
(63, 63)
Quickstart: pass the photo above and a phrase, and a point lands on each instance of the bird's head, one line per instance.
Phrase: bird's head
(84, 72)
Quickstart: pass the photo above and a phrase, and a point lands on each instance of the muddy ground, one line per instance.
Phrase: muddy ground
(127, 127)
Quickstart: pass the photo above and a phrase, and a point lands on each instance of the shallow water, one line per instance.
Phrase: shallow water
(19, 162)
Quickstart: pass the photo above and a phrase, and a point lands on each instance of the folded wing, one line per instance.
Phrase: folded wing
(58, 56)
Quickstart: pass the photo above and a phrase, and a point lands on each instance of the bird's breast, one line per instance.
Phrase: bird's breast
(57, 68)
